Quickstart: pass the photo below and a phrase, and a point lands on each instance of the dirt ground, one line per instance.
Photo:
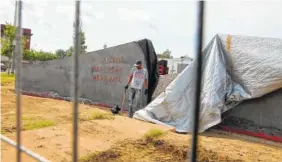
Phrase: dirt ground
(47, 130)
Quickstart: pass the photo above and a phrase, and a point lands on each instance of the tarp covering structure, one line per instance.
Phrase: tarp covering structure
(235, 68)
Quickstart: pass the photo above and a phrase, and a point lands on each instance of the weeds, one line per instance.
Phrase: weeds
(98, 115)
(100, 156)
(153, 134)
(138, 150)
(161, 150)
(7, 78)
(30, 125)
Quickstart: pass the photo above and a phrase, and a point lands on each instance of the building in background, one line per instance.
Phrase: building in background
(26, 32)
(176, 65)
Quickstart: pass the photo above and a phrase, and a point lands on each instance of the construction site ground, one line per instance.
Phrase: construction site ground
(47, 131)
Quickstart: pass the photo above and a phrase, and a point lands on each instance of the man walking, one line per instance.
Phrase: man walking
(138, 78)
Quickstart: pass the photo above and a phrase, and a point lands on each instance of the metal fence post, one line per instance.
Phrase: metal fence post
(198, 80)
(18, 77)
(76, 79)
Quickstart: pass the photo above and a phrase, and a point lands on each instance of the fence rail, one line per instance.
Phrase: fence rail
(23, 149)
(75, 87)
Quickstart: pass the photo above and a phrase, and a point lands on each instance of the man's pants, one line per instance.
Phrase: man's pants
(134, 101)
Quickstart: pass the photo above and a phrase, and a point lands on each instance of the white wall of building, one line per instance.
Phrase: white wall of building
(175, 64)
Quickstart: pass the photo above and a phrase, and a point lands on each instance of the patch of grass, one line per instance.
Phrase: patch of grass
(161, 150)
(100, 156)
(30, 125)
(7, 78)
(98, 116)
(3, 131)
(88, 157)
(153, 134)
(137, 150)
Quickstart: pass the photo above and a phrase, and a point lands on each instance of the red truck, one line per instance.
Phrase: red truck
(163, 69)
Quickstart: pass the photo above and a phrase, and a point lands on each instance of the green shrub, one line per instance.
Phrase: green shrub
(33, 55)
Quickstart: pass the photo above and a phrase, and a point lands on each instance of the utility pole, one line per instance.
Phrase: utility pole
(13, 42)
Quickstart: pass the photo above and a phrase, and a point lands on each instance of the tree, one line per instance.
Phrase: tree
(82, 43)
(105, 46)
(166, 54)
(32, 55)
(7, 46)
(69, 51)
(61, 53)
(7, 40)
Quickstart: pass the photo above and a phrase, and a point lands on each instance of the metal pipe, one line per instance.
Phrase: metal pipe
(198, 80)
(18, 77)
(23, 149)
(76, 79)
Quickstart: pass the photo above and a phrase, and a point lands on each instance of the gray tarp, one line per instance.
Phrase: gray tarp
(251, 69)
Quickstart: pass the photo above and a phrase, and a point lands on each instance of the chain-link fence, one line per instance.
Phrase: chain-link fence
(75, 87)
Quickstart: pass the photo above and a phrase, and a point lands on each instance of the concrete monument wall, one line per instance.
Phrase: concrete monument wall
(103, 74)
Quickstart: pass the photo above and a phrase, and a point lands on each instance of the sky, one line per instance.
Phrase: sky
(168, 24)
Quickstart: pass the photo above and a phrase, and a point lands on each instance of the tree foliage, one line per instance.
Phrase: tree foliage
(60, 53)
(83, 46)
(6, 48)
(166, 54)
(34, 55)
(83, 42)
(69, 51)
(7, 40)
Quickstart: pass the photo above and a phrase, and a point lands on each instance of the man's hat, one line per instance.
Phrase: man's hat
(138, 62)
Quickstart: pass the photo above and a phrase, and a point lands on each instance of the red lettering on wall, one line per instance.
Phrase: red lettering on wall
(107, 71)
(108, 79)
(111, 60)
(95, 68)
